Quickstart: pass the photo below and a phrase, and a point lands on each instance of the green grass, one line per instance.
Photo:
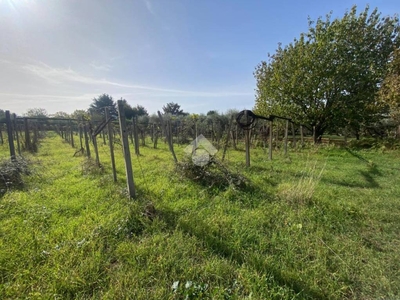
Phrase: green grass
(323, 223)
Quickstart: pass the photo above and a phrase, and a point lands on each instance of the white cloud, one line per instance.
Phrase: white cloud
(64, 76)
(101, 67)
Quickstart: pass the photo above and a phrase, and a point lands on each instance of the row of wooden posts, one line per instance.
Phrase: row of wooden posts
(88, 134)
(15, 132)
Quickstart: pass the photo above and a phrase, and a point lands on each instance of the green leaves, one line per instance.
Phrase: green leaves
(328, 78)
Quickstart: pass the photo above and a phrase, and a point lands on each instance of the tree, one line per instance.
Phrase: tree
(36, 113)
(61, 115)
(2, 115)
(136, 111)
(80, 114)
(328, 78)
(173, 109)
(129, 113)
(101, 102)
(139, 111)
(389, 94)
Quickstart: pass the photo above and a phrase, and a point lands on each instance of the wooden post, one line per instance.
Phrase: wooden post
(301, 135)
(16, 133)
(110, 143)
(286, 136)
(85, 133)
(247, 141)
(94, 141)
(125, 146)
(35, 133)
(10, 135)
(27, 137)
(313, 134)
(72, 133)
(135, 135)
(270, 140)
(80, 136)
(293, 135)
(104, 137)
(167, 135)
(96, 149)
(228, 134)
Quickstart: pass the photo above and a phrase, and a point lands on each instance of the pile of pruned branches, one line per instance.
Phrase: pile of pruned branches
(212, 175)
(11, 174)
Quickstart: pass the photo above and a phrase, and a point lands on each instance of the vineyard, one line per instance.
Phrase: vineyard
(315, 222)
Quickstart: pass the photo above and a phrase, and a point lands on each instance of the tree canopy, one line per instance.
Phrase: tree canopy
(36, 113)
(131, 112)
(102, 102)
(173, 109)
(329, 77)
(61, 115)
(389, 93)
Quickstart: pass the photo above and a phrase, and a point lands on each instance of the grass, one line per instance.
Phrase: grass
(323, 223)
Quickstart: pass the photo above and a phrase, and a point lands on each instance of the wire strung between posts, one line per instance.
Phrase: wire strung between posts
(247, 120)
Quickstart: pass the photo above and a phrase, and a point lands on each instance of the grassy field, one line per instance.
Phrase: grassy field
(323, 223)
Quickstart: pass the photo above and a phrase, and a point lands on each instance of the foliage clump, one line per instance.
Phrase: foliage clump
(11, 174)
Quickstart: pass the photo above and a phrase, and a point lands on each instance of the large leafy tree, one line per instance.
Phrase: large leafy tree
(98, 104)
(328, 78)
(389, 93)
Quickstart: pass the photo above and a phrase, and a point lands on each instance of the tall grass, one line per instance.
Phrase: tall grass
(301, 190)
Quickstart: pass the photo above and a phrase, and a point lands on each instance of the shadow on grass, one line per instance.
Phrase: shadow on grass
(369, 179)
(216, 243)
(356, 154)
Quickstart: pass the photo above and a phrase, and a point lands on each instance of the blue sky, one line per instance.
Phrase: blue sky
(59, 55)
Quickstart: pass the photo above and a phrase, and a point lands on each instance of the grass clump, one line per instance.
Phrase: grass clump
(301, 191)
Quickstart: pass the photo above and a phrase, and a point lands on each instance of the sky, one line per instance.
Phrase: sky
(61, 54)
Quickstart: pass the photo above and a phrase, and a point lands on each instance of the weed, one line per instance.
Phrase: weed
(301, 191)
